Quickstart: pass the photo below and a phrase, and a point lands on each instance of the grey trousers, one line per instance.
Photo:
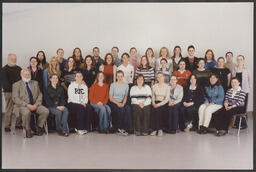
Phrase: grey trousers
(9, 111)
(42, 111)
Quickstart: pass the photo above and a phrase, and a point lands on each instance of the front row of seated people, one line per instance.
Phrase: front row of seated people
(140, 110)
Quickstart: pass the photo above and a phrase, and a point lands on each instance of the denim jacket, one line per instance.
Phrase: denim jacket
(214, 94)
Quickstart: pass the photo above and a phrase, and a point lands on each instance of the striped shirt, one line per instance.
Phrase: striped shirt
(149, 74)
(235, 98)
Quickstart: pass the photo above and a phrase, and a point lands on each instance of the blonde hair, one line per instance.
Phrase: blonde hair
(168, 56)
(54, 70)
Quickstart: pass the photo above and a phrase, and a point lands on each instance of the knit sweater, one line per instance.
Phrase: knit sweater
(10, 74)
(236, 98)
(160, 93)
(149, 74)
(77, 93)
(141, 95)
(99, 93)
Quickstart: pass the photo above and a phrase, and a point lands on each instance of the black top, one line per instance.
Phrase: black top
(54, 97)
(68, 76)
(223, 76)
(239, 76)
(89, 76)
(10, 75)
(98, 62)
(196, 96)
(193, 66)
(37, 76)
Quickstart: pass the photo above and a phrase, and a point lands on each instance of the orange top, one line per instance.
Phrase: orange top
(182, 77)
(99, 93)
(108, 73)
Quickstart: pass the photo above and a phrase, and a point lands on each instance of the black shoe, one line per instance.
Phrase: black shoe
(7, 129)
(172, 131)
(204, 130)
(112, 130)
(193, 129)
(210, 130)
(18, 127)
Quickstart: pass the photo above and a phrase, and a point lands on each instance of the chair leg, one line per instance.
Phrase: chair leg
(240, 120)
(46, 127)
(246, 120)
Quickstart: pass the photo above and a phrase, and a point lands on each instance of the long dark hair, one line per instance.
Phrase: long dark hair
(177, 46)
(74, 65)
(147, 65)
(44, 59)
(80, 58)
(84, 66)
(189, 83)
(105, 59)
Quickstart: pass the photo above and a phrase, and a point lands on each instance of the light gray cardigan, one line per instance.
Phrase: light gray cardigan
(177, 96)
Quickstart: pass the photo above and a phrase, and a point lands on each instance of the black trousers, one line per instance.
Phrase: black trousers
(79, 116)
(223, 117)
(157, 117)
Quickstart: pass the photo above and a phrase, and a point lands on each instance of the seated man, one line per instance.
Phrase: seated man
(27, 98)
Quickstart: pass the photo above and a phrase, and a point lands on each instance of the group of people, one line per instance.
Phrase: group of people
(145, 96)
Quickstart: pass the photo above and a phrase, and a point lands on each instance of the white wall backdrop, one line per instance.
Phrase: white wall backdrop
(28, 28)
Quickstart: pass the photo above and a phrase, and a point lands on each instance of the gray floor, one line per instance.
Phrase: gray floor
(100, 151)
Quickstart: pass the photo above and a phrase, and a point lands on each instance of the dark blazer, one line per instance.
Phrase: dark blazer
(194, 66)
(54, 97)
(196, 96)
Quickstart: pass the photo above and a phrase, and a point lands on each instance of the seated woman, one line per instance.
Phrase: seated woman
(145, 70)
(141, 105)
(213, 101)
(55, 101)
(89, 70)
(98, 96)
(223, 73)
(109, 69)
(36, 72)
(78, 105)
(182, 74)
(233, 104)
(176, 95)
(167, 73)
(192, 99)
(118, 94)
(68, 74)
(201, 73)
(52, 69)
(160, 97)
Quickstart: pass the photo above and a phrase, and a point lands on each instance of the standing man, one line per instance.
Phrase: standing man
(96, 57)
(229, 61)
(61, 60)
(11, 74)
(27, 98)
(117, 60)
(191, 60)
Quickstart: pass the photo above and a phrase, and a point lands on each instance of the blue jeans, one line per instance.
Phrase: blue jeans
(189, 115)
(61, 118)
(104, 116)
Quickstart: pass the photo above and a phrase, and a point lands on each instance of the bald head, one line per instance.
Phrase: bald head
(12, 59)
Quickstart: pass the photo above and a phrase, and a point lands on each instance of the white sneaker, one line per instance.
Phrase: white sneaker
(153, 133)
(189, 126)
(81, 132)
(160, 133)
(122, 132)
